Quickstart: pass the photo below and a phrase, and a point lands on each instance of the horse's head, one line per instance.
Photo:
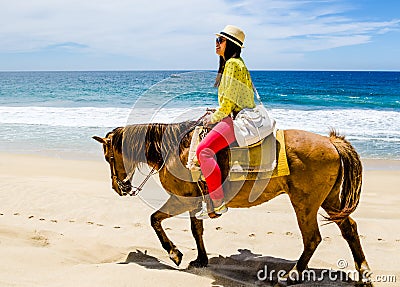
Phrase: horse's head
(120, 180)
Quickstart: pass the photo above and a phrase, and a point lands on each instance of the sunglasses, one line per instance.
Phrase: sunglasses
(220, 40)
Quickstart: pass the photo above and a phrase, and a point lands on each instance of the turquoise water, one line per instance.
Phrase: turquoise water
(57, 112)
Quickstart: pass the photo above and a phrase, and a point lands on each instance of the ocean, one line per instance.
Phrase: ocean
(57, 113)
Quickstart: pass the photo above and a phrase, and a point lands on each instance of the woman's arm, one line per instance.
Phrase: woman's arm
(225, 109)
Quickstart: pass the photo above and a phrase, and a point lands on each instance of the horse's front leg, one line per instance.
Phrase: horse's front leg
(171, 208)
(197, 231)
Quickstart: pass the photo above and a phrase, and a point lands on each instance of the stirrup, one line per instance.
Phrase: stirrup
(221, 209)
(203, 213)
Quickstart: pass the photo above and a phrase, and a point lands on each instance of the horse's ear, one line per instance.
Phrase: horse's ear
(99, 139)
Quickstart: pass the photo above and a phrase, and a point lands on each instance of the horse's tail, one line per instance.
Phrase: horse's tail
(350, 176)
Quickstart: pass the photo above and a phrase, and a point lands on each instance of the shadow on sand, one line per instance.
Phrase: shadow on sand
(246, 269)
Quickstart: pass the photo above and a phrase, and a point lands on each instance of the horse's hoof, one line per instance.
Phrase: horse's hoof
(176, 256)
(284, 281)
(291, 278)
(198, 263)
(364, 284)
(365, 275)
(281, 283)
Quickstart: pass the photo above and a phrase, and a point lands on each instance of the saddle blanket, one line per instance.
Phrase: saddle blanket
(265, 159)
(262, 160)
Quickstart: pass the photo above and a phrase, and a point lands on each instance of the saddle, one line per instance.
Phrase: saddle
(262, 160)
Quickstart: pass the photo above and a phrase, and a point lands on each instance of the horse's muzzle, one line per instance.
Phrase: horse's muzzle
(124, 187)
(133, 192)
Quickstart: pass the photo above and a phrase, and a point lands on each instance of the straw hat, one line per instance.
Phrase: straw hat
(234, 34)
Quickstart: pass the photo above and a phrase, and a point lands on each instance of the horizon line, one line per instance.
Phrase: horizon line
(208, 70)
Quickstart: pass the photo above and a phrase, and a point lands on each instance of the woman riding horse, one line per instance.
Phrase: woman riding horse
(235, 92)
(324, 171)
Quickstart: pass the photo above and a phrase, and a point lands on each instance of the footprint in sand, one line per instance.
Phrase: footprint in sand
(117, 227)
(40, 240)
(218, 228)
(288, 233)
(30, 217)
(270, 232)
(54, 220)
(137, 225)
(42, 219)
(17, 214)
(252, 235)
(88, 222)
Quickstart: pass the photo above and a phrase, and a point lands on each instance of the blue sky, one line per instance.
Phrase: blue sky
(159, 34)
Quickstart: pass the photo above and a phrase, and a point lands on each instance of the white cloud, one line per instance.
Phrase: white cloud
(169, 32)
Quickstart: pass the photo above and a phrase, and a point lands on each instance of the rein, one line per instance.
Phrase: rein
(125, 185)
(136, 189)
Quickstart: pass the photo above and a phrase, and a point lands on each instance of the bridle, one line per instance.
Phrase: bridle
(125, 185)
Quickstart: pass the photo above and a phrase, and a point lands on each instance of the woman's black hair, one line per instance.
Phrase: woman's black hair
(231, 51)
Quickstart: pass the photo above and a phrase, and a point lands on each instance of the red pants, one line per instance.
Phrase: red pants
(221, 136)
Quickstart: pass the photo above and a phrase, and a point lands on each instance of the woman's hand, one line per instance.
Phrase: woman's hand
(207, 120)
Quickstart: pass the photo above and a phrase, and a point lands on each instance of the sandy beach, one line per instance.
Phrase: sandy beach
(62, 225)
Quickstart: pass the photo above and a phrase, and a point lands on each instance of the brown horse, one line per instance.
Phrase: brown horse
(324, 172)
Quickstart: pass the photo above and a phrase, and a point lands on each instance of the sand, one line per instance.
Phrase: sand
(62, 225)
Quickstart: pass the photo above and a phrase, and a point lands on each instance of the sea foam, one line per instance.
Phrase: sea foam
(376, 124)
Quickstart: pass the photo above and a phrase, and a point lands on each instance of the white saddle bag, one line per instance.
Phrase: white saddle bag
(253, 125)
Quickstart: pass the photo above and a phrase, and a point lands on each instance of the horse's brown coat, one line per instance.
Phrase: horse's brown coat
(324, 172)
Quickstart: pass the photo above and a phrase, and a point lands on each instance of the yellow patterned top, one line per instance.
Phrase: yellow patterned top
(235, 91)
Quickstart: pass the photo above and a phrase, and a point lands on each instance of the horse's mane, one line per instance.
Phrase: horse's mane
(142, 143)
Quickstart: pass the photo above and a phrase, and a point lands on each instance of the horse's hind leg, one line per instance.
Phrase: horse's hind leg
(348, 228)
(306, 214)
(197, 231)
(308, 224)
(306, 205)
(171, 208)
